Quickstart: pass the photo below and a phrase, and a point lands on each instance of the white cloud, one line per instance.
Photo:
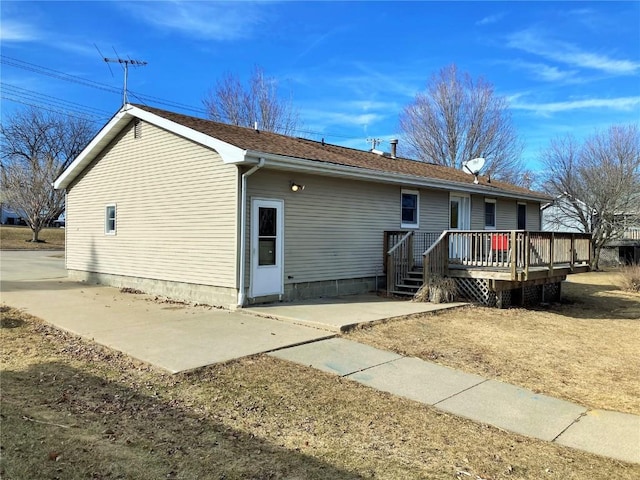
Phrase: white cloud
(344, 118)
(620, 104)
(205, 20)
(534, 42)
(490, 19)
(547, 73)
(13, 31)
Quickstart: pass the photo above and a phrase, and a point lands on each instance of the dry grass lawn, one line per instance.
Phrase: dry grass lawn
(584, 350)
(74, 410)
(19, 238)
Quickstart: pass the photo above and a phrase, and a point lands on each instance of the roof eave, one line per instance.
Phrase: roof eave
(360, 173)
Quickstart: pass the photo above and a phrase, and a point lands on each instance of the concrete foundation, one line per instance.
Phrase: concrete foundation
(323, 289)
(330, 288)
(187, 292)
(225, 297)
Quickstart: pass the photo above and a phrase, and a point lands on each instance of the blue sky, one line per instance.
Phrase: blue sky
(350, 67)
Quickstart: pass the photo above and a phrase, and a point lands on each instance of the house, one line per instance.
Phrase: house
(624, 248)
(208, 212)
(11, 216)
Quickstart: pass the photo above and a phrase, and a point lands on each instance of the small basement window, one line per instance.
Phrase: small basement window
(410, 208)
(490, 214)
(110, 220)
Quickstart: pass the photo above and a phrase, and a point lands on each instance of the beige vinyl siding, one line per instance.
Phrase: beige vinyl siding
(334, 227)
(176, 216)
(434, 210)
(506, 214)
(533, 216)
(477, 212)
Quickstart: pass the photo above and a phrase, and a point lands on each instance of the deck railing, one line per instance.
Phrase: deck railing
(631, 234)
(513, 251)
(399, 258)
(436, 258)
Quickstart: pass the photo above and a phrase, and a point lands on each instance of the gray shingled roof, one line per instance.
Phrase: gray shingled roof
(273, 143)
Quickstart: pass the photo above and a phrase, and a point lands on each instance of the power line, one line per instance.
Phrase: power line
(142, 98)
(49, 99)
(46, 108)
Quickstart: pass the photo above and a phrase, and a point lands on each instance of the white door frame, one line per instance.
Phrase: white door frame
(460, 248)
(464, 211)
(267, 279)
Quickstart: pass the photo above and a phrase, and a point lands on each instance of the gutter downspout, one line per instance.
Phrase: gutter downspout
(243, 228)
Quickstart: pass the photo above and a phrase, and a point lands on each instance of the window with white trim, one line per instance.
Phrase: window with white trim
(489, 214)
(410, 202)
(110, 220)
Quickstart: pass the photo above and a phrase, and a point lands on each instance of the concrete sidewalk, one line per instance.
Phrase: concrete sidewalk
(611, 434)
(339, 314)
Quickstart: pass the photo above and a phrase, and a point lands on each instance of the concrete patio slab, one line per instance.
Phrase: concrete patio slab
(174, 337)
(614, 434)
(336, 355)
(417, 380)
(340, 314)
(514, 408)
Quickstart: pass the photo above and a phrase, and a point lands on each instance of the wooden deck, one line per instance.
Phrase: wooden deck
(496, 273)
(497, 261)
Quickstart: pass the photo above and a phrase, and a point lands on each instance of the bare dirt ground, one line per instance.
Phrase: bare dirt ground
(74, 410)
(18, 238)
(584, 349)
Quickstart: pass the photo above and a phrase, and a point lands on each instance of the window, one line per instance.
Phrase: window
(522, 216)
(490, 214)
(410, 201)
(110, 220)
(454, 213)
(267, 235)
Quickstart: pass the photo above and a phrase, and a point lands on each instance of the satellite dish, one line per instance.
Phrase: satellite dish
(473, 167)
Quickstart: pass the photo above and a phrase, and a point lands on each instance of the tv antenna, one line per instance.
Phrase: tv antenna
(374, 142)
(125, 63)
(473, 167)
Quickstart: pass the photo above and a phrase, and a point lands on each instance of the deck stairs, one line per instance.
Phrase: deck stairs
(410, 284)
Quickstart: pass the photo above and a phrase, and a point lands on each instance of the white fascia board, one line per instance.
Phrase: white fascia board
(228, 152)
(104, 136)
(359, 173)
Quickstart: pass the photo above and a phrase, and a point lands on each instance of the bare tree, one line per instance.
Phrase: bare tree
(259, 102)
(597, 184)
(457, 119)
(35, 148)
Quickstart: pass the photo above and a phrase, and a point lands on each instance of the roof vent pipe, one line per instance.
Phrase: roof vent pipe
(394, 147)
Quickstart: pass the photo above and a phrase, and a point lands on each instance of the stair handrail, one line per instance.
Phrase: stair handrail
(397, 267)
(431, 264)
(404, 238)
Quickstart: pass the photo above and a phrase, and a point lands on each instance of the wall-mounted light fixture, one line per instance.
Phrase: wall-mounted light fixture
(296, 187)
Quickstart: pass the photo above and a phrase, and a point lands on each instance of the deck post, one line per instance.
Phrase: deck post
(391, 273)
(514, 254)
(410, 262)
(426, 266)
(551, 253)
(573, 251)
(527, 254)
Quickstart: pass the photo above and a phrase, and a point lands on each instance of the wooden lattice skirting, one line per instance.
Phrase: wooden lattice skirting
(478, 290)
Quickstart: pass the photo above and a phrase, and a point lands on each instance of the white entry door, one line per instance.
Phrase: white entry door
(459, 219)
(267, 230)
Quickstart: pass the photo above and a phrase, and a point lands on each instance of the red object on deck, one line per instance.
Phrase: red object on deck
(500, 241)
